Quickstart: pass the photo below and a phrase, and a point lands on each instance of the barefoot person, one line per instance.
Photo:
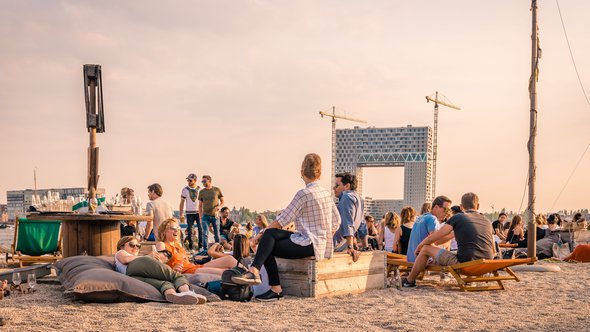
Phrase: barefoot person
(316, 219)
(177, 258)
(173, 285)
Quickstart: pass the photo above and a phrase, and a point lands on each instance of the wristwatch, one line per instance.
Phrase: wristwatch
(350, 246)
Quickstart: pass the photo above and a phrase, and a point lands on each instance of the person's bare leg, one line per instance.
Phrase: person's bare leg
(183, 288)
(225, 262)
(422, 260)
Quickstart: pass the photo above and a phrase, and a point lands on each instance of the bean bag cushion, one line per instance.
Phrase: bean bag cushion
(93, 279)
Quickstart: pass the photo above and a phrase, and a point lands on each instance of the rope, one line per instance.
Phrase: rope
(571, 53)
(570, 176)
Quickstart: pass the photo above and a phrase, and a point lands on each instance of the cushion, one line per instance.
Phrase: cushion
(93, 279)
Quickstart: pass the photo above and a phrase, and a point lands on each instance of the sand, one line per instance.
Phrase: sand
(553, 301)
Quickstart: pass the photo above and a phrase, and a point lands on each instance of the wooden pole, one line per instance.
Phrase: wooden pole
(532, 238)
(92, 150)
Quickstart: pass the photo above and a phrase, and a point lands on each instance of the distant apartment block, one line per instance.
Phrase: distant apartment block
(18, 201)
(379, 207)
(408, 147)
(3, 212)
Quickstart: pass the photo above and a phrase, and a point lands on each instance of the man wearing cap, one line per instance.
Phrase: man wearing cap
(188, 198)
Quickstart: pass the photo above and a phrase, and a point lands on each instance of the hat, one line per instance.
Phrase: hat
(192, 176)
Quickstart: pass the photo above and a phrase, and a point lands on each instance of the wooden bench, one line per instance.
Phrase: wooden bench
(337, 276)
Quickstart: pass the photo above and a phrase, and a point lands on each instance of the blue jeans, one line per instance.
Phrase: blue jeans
(191, 219)
(205, 222)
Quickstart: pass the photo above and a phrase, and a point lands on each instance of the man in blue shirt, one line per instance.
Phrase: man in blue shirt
(427, 224)
(350, 208)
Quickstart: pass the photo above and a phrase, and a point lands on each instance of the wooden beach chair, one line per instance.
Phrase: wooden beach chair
(36, 241)
(472, 272)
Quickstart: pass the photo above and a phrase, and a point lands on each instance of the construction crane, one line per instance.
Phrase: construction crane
(436, 102)
(334, 117)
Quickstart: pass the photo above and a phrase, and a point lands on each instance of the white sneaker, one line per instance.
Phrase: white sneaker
(187, 297)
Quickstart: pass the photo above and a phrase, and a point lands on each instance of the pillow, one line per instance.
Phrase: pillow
(93, 279)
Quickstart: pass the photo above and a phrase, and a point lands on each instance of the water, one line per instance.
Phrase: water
(6, 237)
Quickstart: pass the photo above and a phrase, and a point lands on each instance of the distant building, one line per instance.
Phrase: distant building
(408, 147)
(20, 200)
(379, 207)
(3, 212)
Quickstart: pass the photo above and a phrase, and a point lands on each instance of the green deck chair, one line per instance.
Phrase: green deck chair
(37, 241)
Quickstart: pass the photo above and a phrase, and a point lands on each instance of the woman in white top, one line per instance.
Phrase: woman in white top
(150, 270)
(386, 233)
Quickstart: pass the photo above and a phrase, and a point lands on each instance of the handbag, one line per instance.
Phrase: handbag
(561, 250)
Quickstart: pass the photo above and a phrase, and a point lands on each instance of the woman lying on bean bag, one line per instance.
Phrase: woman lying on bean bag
(173, 285)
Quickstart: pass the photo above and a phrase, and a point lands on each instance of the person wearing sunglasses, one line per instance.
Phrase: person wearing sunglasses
(474, 235)
(177, 258)
(428, 223)
(173, 285)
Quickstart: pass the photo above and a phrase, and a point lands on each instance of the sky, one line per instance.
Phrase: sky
(232, 89)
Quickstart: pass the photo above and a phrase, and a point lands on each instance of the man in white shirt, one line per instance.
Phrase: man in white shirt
(189, 198)
(158, 209)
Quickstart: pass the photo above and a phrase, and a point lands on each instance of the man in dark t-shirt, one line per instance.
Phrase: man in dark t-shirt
(498, 226)
(472, 231)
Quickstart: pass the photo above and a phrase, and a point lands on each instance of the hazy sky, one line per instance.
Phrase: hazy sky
(233, 88)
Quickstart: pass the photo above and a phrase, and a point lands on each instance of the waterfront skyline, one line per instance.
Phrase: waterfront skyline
(233, 89)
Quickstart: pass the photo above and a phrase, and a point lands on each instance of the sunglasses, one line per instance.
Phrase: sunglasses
(136, 245)
(176, 228)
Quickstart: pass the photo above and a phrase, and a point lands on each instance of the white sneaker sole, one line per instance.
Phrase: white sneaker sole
(186, 298)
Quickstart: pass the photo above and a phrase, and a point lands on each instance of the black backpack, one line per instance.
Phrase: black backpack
(230, 290)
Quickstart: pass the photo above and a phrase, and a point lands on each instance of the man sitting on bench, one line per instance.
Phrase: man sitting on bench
(473, 233)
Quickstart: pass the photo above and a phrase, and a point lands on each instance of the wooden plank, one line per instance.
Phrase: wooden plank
(105, 238)
(294, 265)
(71, 239)
(352, 285)
(299, 288)
(345, 263)
(113, 236)
(348, 274)
(95, 238)
(83, 237)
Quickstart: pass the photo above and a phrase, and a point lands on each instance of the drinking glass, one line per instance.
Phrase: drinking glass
(16, 278)
(93, 204)
(31, 280)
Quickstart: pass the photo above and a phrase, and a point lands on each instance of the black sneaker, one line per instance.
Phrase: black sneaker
(269, 296)
(246, 278)
(406, 283)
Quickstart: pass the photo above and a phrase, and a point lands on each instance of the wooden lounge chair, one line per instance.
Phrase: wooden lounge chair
(471, 272)
(36, 241)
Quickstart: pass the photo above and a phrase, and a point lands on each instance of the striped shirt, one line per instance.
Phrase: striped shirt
(316, 219)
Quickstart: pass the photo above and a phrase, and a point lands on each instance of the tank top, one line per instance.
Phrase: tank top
(179, 255)
(120, 267)
(405, 239)
(388, 239)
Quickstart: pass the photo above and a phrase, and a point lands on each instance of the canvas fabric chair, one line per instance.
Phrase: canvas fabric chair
(36, 241)
(468, 273)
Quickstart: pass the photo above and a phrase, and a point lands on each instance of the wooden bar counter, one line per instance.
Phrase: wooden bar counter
(95, 234)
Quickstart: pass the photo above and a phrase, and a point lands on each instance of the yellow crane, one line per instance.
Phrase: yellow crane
(334, 117)
(436, 102)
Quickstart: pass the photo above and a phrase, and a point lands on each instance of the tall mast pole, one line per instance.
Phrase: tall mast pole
(530, 212)
(435, 147)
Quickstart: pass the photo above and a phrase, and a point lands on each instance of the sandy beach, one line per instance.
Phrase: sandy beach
(551, 301)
